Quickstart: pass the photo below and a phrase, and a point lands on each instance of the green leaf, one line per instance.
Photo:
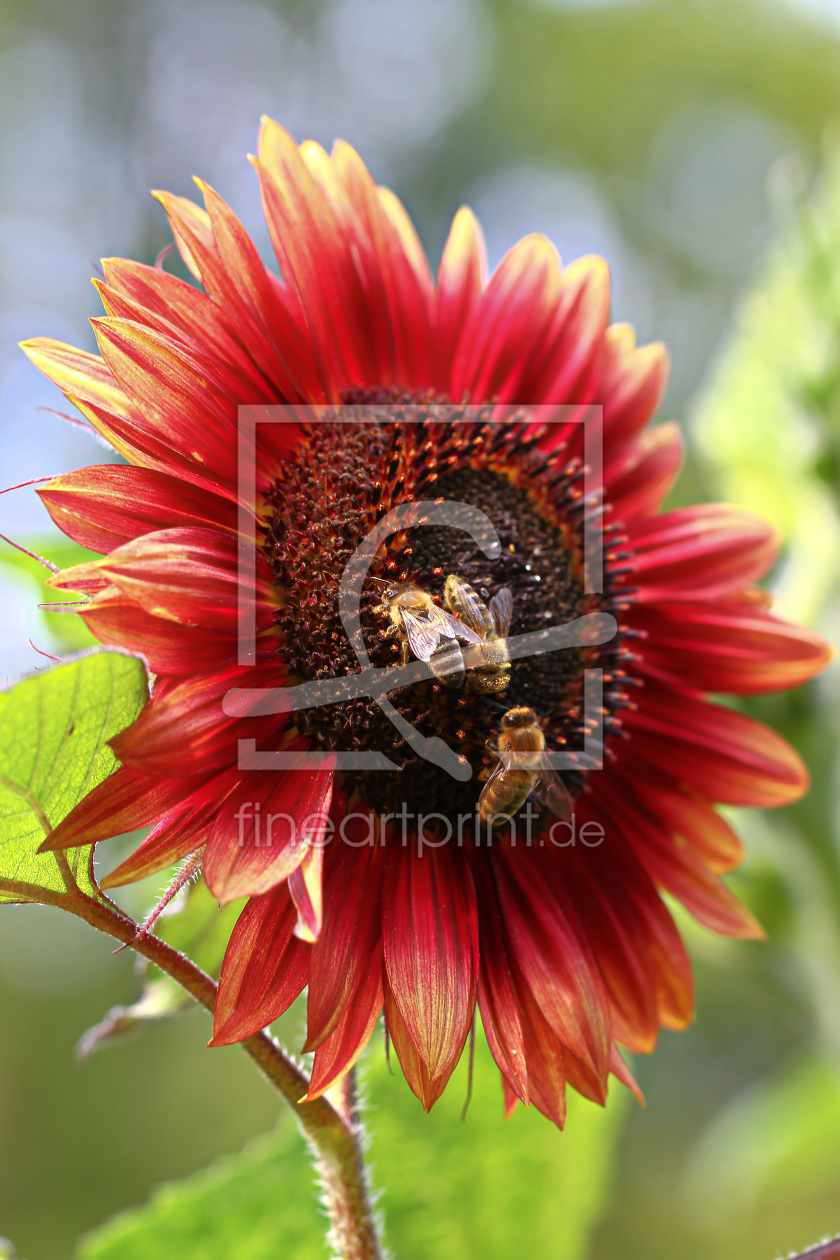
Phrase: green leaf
(252, 1206)
(54, 732)
(484, 1189)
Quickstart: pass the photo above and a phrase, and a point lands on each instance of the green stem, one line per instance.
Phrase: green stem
(346, 1186)
(333, 1133)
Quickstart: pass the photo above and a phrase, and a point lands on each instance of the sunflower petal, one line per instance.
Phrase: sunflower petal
(637, 484)
(264, 830)
(166, 646)
(724, 755)
(77, 373)
(185, 724)
(705, 552)
(724, 649)
(411, 1061)
(431, 951)
(306, 888)
(343, 1047)
(265, 968)
(103, 507)
(180, 392)
(125, 801)
(633, 382)
(351, 932)
(461, 278)
(186, 575)
(556, 963)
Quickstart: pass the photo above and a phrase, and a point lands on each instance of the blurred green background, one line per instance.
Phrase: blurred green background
(689, 141)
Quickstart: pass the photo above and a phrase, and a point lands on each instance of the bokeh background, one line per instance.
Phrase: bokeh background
(692, 143)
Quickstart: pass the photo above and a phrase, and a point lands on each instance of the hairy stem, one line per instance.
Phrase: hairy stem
(333, 1132)
(345, 1182)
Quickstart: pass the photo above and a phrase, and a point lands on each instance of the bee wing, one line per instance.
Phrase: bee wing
(485, 791)
(550, 790)
(501, 611)
(423, 636)
(463, 601)
(457, 629)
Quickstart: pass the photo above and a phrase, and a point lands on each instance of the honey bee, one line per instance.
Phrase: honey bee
(522, 771)
(492, 673)
(428, 631)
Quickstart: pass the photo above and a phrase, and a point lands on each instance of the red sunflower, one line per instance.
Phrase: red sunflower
(567, 949)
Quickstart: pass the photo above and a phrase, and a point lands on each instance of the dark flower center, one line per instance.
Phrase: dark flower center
(345, 477)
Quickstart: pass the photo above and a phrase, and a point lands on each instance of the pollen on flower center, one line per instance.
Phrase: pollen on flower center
(345, 479)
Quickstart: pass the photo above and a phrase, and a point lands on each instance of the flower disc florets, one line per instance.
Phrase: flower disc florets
(367, 459)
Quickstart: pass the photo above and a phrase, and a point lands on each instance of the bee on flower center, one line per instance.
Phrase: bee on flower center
(488, 666)
(427, 631)
(522, 770)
